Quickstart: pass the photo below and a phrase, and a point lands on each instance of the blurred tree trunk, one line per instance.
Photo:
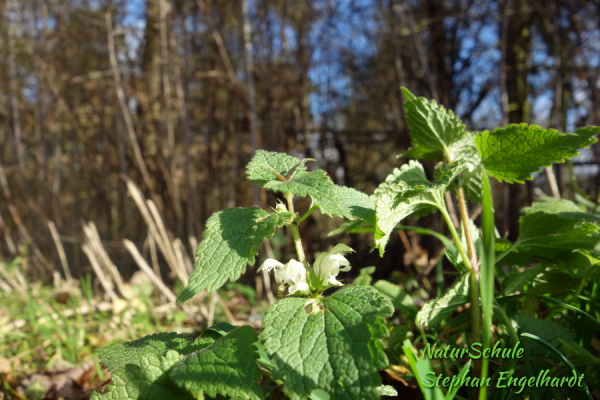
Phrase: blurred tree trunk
(517, 36)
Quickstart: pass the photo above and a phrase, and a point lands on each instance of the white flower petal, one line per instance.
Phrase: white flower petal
(300, 287)
(269, 264)
(328, 265)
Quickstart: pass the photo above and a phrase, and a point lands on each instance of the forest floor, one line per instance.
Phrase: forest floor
(48, 334)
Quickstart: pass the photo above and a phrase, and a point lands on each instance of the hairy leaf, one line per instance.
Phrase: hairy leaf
(228, 367)
(146, 379)
(283, 173)
(433, 129)
(516, 151)
(400, 198)
(551, 228)
(356, 204)
(435, 311)
(333, 344)
(268, 166)
(230, 243)
(116, 356)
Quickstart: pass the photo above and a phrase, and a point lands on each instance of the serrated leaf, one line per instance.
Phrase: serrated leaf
(227, 367)
(117, 356)
(399, 199)
(471, 180)
(283, 173)
(552, 228)
(231, 241)
(516, 151)
(328, 343)
(356, 204)
(146, 379)
(267, 166)
(433, 128)
(330, 198)
(435, 311)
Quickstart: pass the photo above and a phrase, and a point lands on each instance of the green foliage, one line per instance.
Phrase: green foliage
(515, 152)
(148, 379)
(116, 356)
(328, 344)
(140, 368)
(318, 346)
(433, 129)
(227, 366)
(552, 228)
(266, 167)
(284, 174)
(406, 193)
(231, 241)
(435, 311)
(400, 299)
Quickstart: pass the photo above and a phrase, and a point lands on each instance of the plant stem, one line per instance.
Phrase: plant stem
(307, 213)
(456, 238)
(475, 306)
(464, 217)
(289, 197)
(474, 272)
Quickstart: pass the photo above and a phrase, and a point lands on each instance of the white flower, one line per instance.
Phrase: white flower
(292, 275)
(328, 265)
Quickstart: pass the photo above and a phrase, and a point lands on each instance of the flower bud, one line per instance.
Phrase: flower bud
(280, 207)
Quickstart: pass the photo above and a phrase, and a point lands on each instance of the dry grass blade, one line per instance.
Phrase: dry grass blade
(157, 230)
(104, 281)
(61, 251)
(148, 271)
(95, 245)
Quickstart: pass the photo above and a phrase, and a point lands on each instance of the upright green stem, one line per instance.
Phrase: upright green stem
(289, 197)
(474, 278)
(456, 238)
(464, 217)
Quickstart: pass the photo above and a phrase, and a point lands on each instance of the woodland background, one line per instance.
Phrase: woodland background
(176, 96)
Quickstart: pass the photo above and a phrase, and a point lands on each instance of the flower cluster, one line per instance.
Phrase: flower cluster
(294, 275)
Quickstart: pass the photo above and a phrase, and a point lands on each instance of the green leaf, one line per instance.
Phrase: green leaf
(231, 241)
(471, 180)
(554, 350)
(407, 193)
(515, 152)
(395, 341)
(356, 204)
(283, 173)
(435, 311)
(268, 166)
(228, 367)
(117, 356)
(421, 368)
(552, 228)
(433, 128)
(333, 344)
(146, 379)
(364, 278)
(518, 279)
(400, 299)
